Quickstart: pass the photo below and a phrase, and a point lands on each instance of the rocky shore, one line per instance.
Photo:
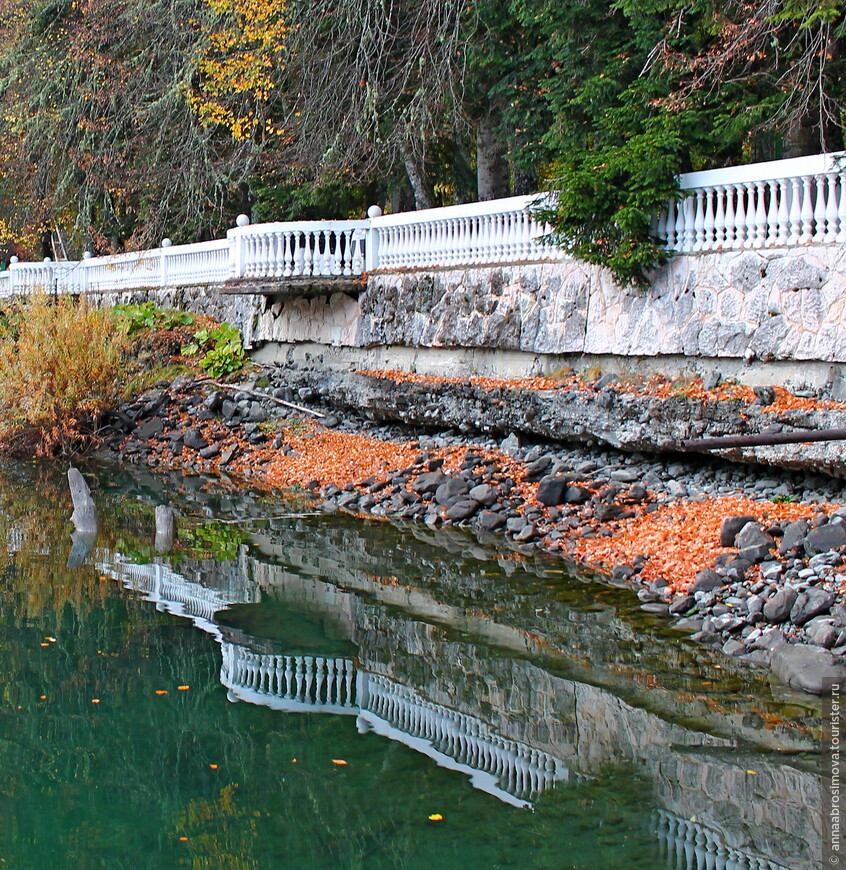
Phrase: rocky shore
(744, 557)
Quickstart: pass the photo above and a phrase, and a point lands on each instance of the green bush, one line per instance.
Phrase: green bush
(224, 352)
(145, 315)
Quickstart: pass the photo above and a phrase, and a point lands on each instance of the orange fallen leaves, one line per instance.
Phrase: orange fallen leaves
(680, 539)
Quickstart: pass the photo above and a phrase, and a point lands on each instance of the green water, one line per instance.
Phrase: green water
(625, 729)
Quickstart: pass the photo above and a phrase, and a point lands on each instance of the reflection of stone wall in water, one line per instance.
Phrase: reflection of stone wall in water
(774, 812)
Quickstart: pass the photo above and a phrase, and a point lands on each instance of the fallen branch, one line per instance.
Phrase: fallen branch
(763, 439)
(259, 395)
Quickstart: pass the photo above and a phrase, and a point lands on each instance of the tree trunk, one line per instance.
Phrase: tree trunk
(491, 168)
(424, 197)
(800, 138)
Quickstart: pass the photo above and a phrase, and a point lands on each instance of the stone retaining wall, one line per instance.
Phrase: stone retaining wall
(753, 314)
(775, 304)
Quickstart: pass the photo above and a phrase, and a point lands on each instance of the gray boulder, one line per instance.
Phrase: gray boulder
(778, 608)
(809, 668)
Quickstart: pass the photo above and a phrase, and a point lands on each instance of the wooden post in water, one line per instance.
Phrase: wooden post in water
(165, 528)
(84, 518)
(84, 515)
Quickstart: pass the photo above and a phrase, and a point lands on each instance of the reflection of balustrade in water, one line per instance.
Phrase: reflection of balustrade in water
(508, 769)
(687, 845)
(174, 593)
(518, 769)
(295, 684)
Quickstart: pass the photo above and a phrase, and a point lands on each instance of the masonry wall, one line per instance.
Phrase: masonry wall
(783, 304)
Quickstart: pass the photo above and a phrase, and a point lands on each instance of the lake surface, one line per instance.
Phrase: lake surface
(285, 689)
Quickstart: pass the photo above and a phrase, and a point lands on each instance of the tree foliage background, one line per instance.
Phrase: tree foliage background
(125, 121)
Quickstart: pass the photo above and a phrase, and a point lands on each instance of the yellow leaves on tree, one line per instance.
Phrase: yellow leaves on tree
(239, 66)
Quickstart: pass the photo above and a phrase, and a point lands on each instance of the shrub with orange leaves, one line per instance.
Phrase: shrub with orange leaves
(61, 363)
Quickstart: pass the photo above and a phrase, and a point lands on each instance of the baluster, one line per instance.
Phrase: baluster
(678, 234)
(298, 678)
(819, 208)
(330, 253)
(499, 238)
(468, 249)
(783, 217)
(396, 234)
(720, 217)
(528, 242)
(344, 252)
(807, 211)
(453, 226)
(405, 246)
(478, 230)
(458, 241)
(308, 679)
(699, 220)
(688, 229)
(772, 213)
(319, 665)
(751, 211)
(740, 217)
(331, 683)
(279, 675)
(299, 254)
(336, 251)
(428, 244)
(321, 254)
(278, 264)
(795, 211)
(308, 254)
(264, 255)
(413, 248)
(760, 216)
(248, 249)
(483, 245)
(349, 687)
(841, 208)
(670, 226)
(710, 221)
(287, 256)
(730, 221)
(831, 209)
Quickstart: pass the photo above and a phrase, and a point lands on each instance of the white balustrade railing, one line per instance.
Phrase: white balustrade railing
(302, 248)
(784, 202)
(498, 231)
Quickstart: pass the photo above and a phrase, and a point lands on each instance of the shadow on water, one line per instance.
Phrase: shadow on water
(465, 707)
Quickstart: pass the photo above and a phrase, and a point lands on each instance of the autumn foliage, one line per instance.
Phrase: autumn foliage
(60, 368)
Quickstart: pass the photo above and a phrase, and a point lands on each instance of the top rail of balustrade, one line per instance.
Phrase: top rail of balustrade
(799, 201)
(772, 170)
(497, 231)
